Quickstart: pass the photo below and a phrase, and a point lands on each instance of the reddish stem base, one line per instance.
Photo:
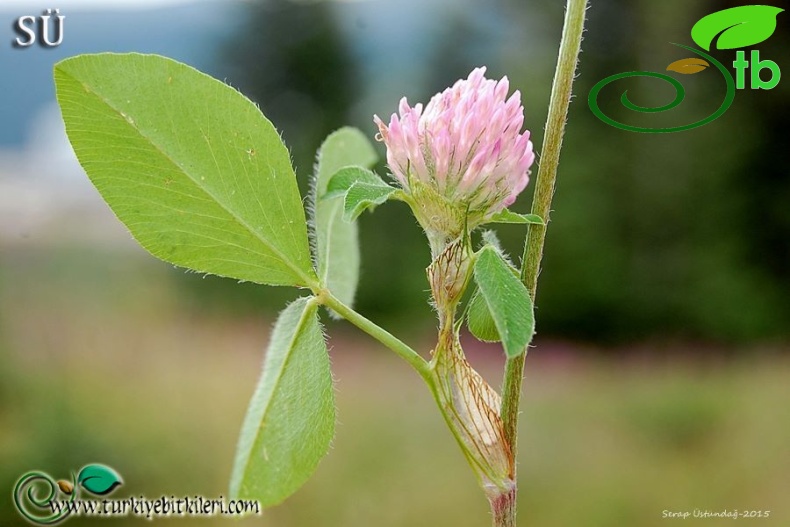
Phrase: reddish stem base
(503, 508)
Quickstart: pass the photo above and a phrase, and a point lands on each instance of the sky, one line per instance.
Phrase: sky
(41, 183)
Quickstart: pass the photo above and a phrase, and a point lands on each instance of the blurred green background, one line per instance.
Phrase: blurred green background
(659, 379)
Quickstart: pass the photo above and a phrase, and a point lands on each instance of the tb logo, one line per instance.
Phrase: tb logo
(737, 27)
(756, 65)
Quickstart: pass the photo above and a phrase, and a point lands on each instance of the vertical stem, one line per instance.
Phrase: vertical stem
(503, 508)
(544, 191)
(541, 205)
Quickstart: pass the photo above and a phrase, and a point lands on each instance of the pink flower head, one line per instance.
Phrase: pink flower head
(466, 145)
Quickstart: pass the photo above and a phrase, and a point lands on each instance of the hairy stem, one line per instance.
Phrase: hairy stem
(541, 205)
(503, 509)
(426, 370)
(378, 333)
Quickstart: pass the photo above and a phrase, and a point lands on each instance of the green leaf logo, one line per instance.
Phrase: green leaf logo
(739, 27)
(98, 479)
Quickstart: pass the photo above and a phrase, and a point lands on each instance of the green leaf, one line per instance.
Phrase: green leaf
(507, 300)
(478, 318)
(362, 196)
(344, 178)
(291, 418)
(508, 216)
(98, 479)
(337, 241)
(740, 27)
(192, 168)
(362, 188)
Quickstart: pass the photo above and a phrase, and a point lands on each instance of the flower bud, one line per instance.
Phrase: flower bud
(449, 274)
(463, 157)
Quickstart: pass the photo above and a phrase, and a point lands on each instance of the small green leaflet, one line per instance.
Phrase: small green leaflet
(479, 320)
(193, 169)
(739, 27)
(507, 299)
(337, 241)
(291, 418)
(345, 178)
(508, 216)
(98, 479)
(363, 189)
(362, 196)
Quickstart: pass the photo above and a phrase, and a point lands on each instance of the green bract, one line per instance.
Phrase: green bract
(362, 189)
(346, 177)
(508, 216)
(363, 196)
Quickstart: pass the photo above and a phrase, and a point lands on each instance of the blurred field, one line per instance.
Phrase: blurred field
(101, 360)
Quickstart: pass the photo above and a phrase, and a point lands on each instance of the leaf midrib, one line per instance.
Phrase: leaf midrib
(309, 304)
(307, 280)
